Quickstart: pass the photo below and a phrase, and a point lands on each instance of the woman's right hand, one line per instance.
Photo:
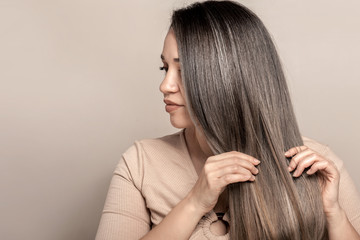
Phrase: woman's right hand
(219, 171)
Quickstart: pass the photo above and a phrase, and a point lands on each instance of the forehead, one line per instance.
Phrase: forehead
(170, 46)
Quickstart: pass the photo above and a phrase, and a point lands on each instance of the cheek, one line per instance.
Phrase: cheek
(181, 119)
(185, 114)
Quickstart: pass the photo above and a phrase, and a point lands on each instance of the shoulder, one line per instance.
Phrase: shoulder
(324, 150)
(150, 146)
(314, 144)
(148, 149)
(146, 153)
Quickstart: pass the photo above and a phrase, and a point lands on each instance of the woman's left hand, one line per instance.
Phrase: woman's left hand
(304, 157)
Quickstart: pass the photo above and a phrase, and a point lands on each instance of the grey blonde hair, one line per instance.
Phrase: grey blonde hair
(237, 92)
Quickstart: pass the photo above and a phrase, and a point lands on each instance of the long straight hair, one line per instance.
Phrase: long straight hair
(236, 91)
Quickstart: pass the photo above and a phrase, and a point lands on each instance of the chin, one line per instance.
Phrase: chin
(180, 121)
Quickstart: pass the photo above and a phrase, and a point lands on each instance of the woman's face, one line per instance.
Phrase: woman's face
(174, 95)
(171, 86)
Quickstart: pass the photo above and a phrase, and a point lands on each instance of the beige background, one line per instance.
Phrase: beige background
(79, 83)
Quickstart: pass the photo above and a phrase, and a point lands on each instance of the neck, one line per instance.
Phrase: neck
(197, 144)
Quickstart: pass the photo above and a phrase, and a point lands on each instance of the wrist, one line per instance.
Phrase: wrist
(335, 217)
(193, 206)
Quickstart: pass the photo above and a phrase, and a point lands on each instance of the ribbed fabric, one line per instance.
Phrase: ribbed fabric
(153, 175)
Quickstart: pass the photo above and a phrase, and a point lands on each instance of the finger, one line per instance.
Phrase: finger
(295, 150)
(298, 157)
(236, 162)
(326, 167)
(306, 162)
(234, 169)
(233, 154)
(233, 178)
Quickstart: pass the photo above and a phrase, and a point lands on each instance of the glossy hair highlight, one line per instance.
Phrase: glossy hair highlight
(236, 91)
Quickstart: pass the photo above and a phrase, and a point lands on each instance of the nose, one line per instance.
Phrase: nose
(169, 84)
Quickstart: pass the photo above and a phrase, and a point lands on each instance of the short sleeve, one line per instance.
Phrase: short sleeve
(349, 198)
(125, 215)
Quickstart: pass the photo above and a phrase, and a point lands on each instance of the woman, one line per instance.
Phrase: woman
(239, 169)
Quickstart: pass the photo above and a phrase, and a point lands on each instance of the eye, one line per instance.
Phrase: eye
(164, 68)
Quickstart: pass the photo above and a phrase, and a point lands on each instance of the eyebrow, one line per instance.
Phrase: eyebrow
(175, 59)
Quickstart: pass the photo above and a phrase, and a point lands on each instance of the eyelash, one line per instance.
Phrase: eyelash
(166, 69)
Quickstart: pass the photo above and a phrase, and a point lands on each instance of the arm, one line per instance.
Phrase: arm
(339, 226)
(125, 215)
(349, 197)
(179, 223)
(218, 171)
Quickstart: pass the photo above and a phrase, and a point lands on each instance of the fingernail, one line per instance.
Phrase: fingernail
(290, 168)
(256, 161)
(296, 173)
(252, 178)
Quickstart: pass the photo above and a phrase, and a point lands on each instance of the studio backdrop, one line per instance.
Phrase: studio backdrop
(79, 83)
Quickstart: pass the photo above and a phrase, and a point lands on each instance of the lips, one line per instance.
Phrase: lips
(171, 106)
(168, 102)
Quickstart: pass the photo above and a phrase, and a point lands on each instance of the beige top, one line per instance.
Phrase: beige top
(153, 175)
